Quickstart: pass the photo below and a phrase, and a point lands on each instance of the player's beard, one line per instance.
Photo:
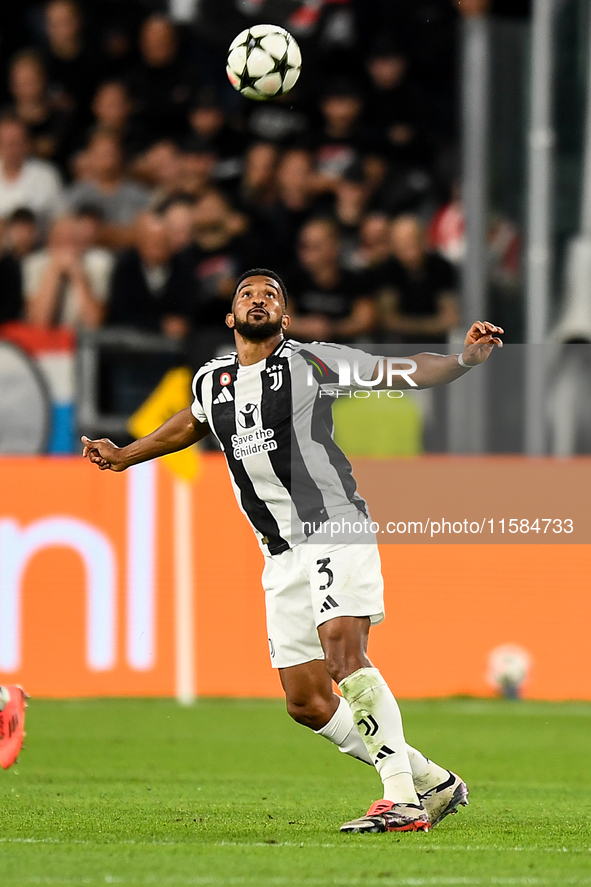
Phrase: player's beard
(257, 332)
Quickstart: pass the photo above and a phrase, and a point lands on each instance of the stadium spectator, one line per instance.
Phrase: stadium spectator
(396, 112)
(405, 192)
(350, 203)
(206, 271)
(25, 181)
(328, 302)
(112, 108)
(197, 169)
(296, 201)
(47, 125)
(89, 226)
(66, 283)
(160, 168)
(258, 186)
(142, 298)
(395, 106)
(161, 84)
(140, 294)
(341, 139)
(104, 185)
(73, 70)
(418, 298)
(210, 129)
(372, 250)
(114, 27)
(177, 213)
(257, 193)
(14, 35)
(20, 239)
(21, 233)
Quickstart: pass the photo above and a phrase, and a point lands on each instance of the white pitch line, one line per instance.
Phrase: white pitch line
(426, 845)
(213, 881)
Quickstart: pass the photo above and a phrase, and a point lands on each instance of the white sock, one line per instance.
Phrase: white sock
(377, 716)
(425, 773)
(341, 730)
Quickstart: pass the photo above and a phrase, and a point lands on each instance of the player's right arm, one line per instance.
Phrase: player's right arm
(177, 433)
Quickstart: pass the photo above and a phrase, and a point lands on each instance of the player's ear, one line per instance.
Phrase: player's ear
(230, 321)
(285, 321)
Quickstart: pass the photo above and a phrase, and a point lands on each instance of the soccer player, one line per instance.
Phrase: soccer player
(12, 723)
(269, 405)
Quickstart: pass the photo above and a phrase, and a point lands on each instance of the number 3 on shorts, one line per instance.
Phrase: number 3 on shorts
(324, 568)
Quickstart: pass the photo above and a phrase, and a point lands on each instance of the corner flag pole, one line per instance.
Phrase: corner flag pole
(183, 593)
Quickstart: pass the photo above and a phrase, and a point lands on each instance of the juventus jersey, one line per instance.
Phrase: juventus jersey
(273, 420)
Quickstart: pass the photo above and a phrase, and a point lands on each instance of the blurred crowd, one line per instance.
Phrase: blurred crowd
(136, 185)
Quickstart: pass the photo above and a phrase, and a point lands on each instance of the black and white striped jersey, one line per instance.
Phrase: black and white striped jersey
(273, 420)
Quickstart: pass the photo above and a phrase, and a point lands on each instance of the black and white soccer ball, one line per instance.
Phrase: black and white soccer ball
(263, 61)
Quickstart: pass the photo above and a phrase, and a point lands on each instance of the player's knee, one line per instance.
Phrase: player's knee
(313, 713)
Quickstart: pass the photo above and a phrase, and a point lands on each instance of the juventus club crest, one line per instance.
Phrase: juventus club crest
(275, 373)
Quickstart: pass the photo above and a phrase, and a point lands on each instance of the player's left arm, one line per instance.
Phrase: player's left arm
(440, 369)
(177, 433)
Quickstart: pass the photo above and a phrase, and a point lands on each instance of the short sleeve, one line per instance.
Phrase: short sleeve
(196, 406)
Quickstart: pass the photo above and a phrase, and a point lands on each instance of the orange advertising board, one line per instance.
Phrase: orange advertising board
(88, 583)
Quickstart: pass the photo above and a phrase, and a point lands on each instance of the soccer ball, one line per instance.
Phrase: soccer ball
(263, 61)
(508, 668)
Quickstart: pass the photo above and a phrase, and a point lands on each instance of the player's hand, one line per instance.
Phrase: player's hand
(480, 340)
(103, 453)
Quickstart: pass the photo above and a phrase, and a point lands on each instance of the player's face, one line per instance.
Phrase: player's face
(258, 309)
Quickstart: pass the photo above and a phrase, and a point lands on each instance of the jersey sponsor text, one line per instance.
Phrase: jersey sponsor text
(259, 441)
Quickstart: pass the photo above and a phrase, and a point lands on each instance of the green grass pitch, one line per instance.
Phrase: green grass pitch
(234, 793)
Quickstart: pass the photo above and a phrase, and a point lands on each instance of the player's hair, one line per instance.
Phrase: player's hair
(262, 272)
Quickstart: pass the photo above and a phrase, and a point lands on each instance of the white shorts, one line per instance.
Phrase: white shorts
(310, 584)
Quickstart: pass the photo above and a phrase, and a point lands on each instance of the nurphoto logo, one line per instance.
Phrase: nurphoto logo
(396, 367)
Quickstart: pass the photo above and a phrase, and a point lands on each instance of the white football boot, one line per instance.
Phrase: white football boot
(445, 798)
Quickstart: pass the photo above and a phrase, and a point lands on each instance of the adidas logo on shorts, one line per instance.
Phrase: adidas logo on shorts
(329, 604)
